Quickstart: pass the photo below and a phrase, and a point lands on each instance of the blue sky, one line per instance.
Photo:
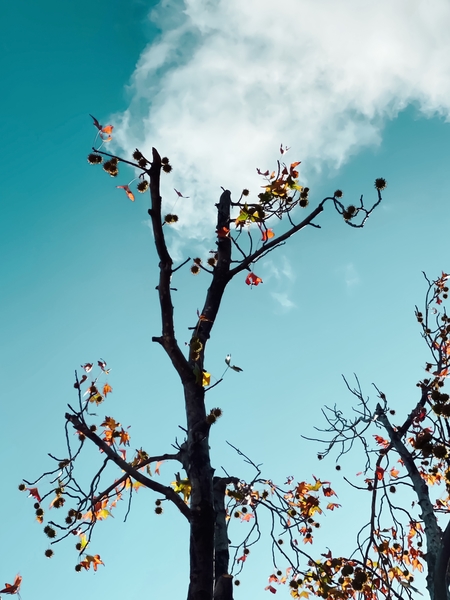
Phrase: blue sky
(358, 94)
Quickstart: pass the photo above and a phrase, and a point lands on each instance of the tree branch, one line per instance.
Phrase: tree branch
(164, 490)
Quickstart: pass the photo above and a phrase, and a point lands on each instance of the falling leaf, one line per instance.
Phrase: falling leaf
(87, 367)
(381, 441)
(394, 472)
(284, 150)
(12, 588)
(333, 505)
(128, 192)
(107, 389)
(180, 195)
(253, 279)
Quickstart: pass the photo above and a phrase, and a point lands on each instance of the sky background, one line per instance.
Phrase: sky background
(358, 90)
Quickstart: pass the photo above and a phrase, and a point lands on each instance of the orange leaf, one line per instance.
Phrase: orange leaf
(12, 588)
(333, 505)
(394, 472)
(107, 128)
(107, 389)
(223, 232)
(128, 192)
(253, 279)
(267, 235)
(158, 464)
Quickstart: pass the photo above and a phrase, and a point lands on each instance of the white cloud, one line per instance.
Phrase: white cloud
(228, 81)
(283, 300)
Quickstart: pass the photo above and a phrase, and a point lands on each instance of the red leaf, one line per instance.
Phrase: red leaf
(87, 367)
(34, 492)
(253, 279)
(267, 235)
(12, 588)
(271, 589)
(379, 472)
(223, 232)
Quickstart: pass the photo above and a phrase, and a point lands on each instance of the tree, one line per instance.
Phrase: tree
(411, 460)
(205, 500)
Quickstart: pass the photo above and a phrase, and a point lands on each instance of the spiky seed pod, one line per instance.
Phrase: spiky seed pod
(246, 550)
(244, 509)
(68, 520)
(22, 487)
(137, 155)
(78, 568)
(114, 161)
(159, 510)
(217, 412)
(114, 171)
(380, 183)
(81, 437)
(211, 262)
(93, 428)
(171, 218)
(198, 261)
(94, 159)
(142, 162)
(351, 209)
(142, 186)
(167, 168)
(195, 269)
(440, 451)
(304, 193)
(107, 166)
(72, 513)
(39, 512)
(165, 160)
(36, 505)
(338, 194)
(281, 542)
(392, 489)
(245, 192)
(237, 514)
(293, 584)
(211, 419)
(237, 582)
(51, 533)
(303, 202)
(49, 553)
(79, 515)
(158, 502)
(78, 546)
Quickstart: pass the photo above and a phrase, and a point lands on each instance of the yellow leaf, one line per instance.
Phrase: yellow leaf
(206, 379)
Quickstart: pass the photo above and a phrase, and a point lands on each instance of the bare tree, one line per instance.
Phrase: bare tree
(206, 501)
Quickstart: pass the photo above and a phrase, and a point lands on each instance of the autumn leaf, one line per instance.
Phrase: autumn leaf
(158, 465)
(107, 389)
(381, 441)
(182, 486)
(379, 472)
(271, 589)
(242, 558)
(284, 150)
(234, 367)
(394, 472)
(34, 492)
(223, 232)
(206, 378)
(12, 588)
(128, 192)
(110, 423)
(253, 279)
(180, 195)
(91, 560)
(87, 367)
(333, 505)
(267, 235)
